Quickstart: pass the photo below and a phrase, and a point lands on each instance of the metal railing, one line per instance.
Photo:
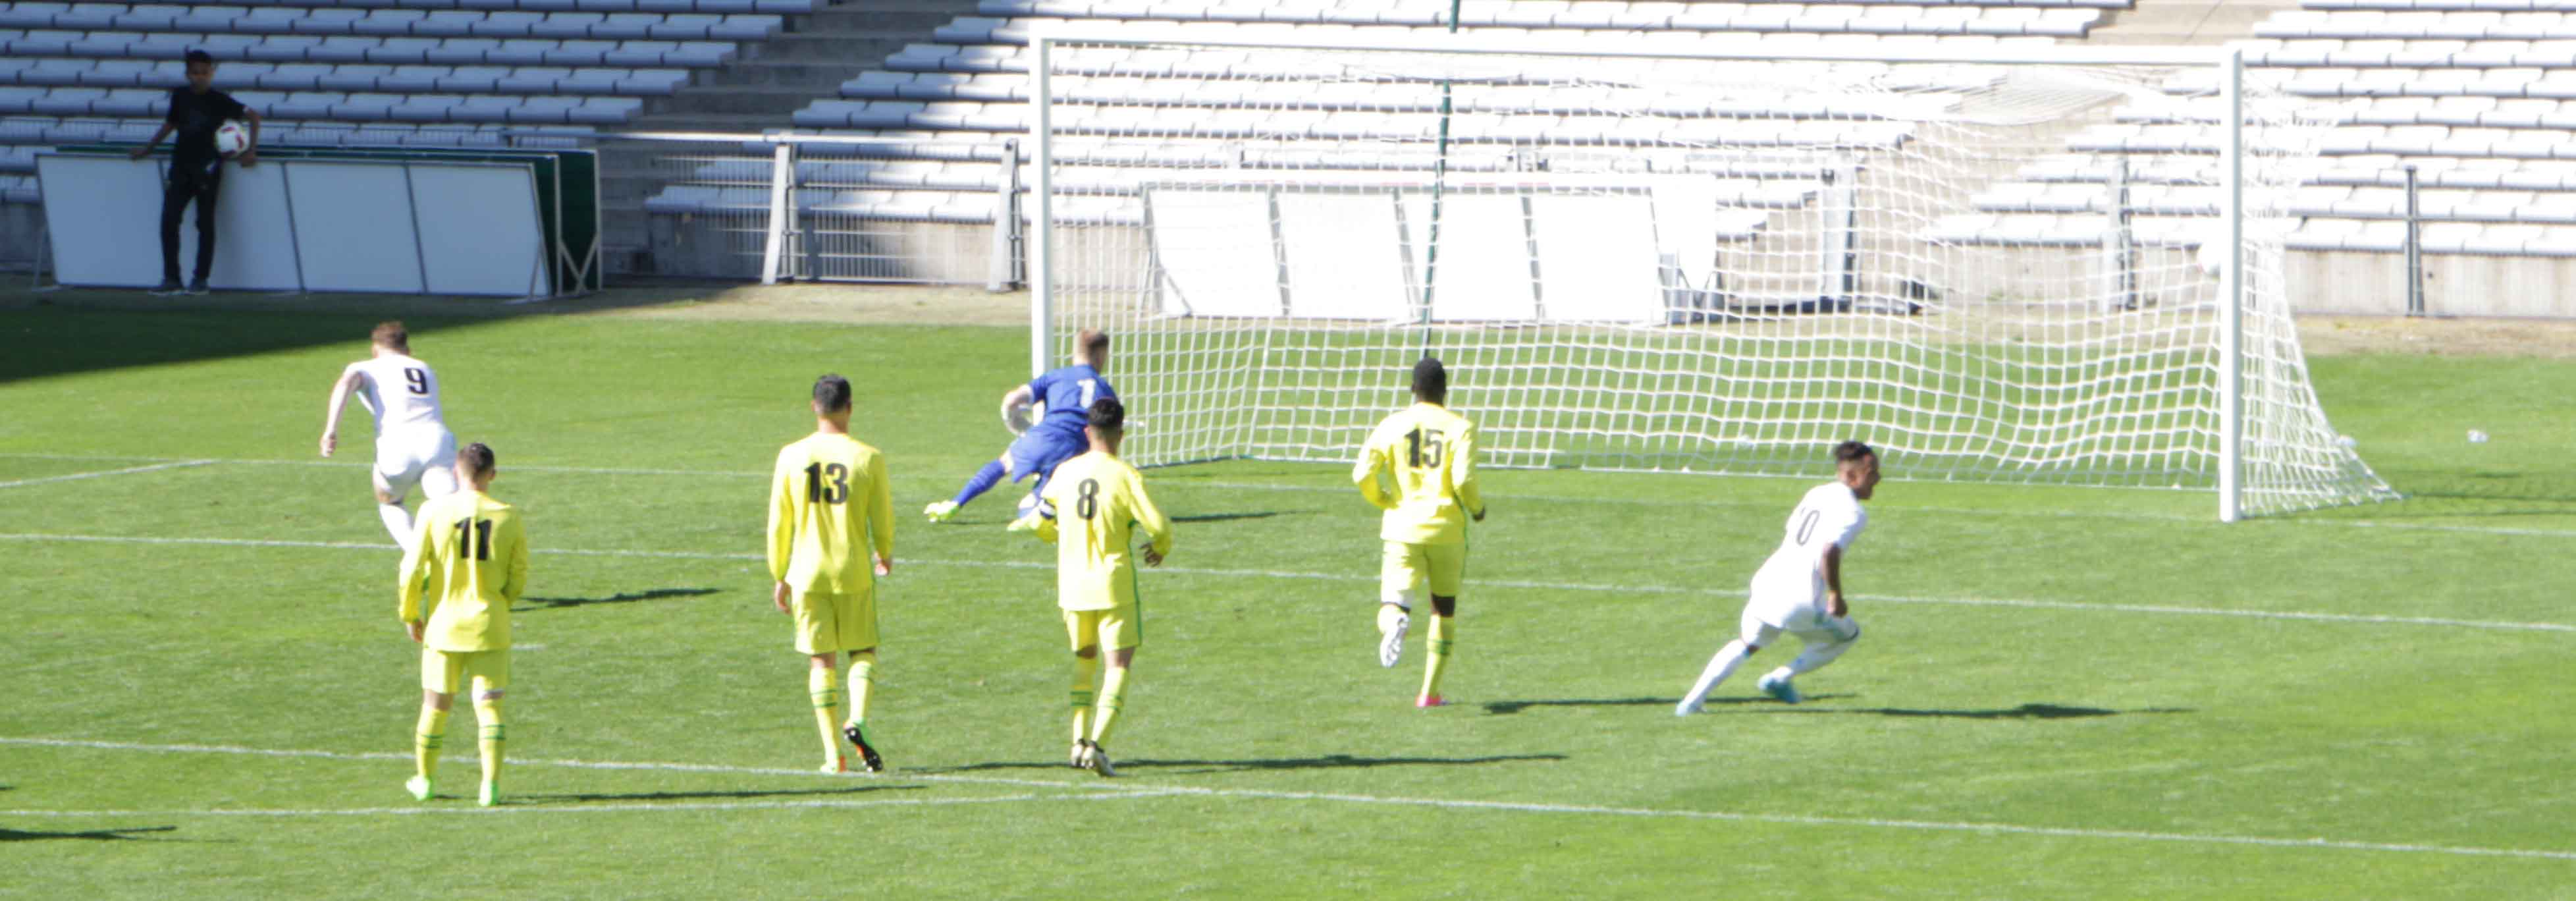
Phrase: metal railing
(782, 206)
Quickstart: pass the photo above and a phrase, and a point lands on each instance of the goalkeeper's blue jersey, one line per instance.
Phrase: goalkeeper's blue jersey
(1069, 393)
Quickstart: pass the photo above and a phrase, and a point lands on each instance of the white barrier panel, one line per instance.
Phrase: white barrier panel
(405, 226)
(476, 247)
(1345, 256)
(1483, 269)
(353, 227)
(1597, 259)
(1215, 252)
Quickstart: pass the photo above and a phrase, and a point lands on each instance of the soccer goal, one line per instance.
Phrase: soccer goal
(2001, 262)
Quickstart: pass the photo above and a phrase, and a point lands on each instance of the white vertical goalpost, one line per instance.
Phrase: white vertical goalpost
(1672, 254)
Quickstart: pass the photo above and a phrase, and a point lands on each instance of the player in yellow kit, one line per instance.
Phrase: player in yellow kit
(467, 564)
(828, 493)
(1099, 500)
(1430, 453)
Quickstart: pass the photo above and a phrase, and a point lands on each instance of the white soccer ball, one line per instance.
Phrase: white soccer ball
(231, 138)
(1018, 417)
(1028, 504)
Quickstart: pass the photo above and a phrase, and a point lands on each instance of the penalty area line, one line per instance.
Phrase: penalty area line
(508, 807)
(130, 470)
(2298, 615)
(1097, 791)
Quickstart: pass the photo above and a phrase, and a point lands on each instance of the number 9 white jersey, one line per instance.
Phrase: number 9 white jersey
(1789, 590)
(400, 391)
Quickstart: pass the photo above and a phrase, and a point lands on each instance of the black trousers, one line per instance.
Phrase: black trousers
(189, 183)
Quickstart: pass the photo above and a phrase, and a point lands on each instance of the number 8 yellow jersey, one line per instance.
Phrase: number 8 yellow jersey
(1431, 454)
(1099, 501)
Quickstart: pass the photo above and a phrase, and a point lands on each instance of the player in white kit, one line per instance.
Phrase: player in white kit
(1800, 589)
(413, 445)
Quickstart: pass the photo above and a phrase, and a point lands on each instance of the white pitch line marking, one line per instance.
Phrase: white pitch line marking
(508, 808)
(1537, 498)
(1095, 790)
(2360, 618)
(130, 470)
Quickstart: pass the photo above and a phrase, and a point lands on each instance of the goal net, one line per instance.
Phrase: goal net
(1676, 256)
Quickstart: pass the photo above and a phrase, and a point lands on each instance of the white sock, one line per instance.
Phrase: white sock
(397, 521)
(1719, 667)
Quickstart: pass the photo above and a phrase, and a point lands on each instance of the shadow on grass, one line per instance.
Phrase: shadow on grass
(1503, 708)
(575, 798)
(2023, 712)
(1222, 517)
(93, 835)
(1328, 761)
(623, 597)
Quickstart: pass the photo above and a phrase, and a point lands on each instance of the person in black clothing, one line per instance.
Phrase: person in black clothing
(196, 170)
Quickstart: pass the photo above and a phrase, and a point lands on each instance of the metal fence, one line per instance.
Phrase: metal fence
(781, 206)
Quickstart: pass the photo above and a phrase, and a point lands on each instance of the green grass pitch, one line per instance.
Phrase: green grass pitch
(2063, 693)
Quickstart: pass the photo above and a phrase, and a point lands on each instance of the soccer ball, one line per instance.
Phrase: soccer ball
(231, 138)
(1018, 417)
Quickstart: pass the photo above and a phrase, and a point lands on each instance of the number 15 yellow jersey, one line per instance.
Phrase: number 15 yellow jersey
(1431, 455)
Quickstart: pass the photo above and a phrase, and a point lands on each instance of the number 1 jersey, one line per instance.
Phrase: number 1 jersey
(828, 492)
(1431, 453)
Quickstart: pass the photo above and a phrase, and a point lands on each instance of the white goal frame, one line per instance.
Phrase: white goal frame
(1047, 40)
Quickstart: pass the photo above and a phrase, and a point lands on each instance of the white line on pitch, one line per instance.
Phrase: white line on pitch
(1101, 789)
(544, 808)
(1538, 498)
(2377, 619)
(176, 464)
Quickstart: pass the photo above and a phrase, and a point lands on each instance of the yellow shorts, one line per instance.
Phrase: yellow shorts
(443, 671)
(827, 623)
(1119, 627)
(1409, 565)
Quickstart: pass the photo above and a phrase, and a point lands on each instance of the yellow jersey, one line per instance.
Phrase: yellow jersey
(1430, 453)
(1099, 501)
(827, 491)
(467, 565)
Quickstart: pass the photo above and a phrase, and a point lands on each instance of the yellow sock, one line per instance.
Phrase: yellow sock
(1113, 694)
(824, 685)
(487, 717)
(427, 739)
(1442, 633)
(1085, 669)
(863, 678)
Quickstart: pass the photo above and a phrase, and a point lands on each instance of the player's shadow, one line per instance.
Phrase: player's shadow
(2023, 712)
(1504, 708)
(581, 797)
(93, 835)
(1328, 761)
(1222, 517)
(623, 597)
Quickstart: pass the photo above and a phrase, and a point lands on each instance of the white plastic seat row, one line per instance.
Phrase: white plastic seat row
(2334, 234)
(103, 15)
(1379, 97)
(1112, 61)
(972, 207)
(1263, 122)
(2467, 26)
(47, 131)
(2448, 5)
(2364, 171)
(2461, 112)
(2419, 140)
(110, 17)
(21, 189)
(349, 77)
(390, 51)
(1757, 19)
(2404, 53)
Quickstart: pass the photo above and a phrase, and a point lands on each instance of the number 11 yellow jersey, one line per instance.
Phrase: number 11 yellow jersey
(467, 565)
(1431, 455)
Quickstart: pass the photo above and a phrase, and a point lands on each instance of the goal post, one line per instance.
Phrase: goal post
(1998, 262)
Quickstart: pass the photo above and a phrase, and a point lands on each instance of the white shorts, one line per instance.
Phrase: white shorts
(1813, 627)
(422, 457)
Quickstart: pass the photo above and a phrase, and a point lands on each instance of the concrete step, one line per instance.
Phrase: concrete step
(849, 48)
(824, 78)
(722, 99)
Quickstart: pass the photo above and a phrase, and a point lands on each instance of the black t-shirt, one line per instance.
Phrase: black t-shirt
(194, 118)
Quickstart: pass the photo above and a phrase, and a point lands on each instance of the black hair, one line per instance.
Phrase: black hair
(477, 458)
(1851, 451)
(1108, 415)
(831, 394)
(1431, 380)
(199, 56)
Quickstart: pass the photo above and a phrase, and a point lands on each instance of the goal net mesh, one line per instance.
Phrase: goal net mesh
(1995, 273)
